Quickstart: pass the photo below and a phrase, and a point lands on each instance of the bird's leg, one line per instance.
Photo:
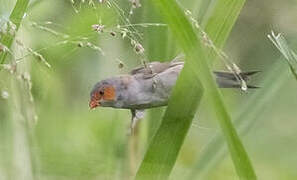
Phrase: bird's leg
(136, 116)
(132, 124)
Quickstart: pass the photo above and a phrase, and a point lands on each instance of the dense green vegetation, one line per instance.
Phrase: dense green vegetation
(53, 52)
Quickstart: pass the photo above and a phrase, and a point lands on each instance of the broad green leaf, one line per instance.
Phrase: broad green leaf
(185, 98)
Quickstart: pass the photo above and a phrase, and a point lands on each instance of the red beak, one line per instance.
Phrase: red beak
(93, 104)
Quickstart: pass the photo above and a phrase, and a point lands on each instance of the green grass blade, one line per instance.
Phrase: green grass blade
(201, 8)
(281, 44)
(223, 16)
(166, 144)
(218, 24)
(216, 150)
(157, 35)
(16, 18)
(165, 51)
(163, 150)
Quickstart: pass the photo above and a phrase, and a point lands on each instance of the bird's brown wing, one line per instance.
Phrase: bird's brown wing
(138, 70)
(154, 68)
(150, 68)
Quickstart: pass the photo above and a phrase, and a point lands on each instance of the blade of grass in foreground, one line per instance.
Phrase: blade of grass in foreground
(160, 36)
(281, 44)
(215, 151)
(15, 18)
(221, 20)
(163, 150)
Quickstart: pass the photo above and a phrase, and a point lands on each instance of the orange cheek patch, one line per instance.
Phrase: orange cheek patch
(109, 93)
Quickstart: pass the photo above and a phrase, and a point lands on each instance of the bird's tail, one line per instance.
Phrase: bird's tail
(228, 80)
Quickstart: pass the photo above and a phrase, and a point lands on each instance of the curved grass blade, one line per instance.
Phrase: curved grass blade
(281, 44)
(201, 8)
(221, 20)
(215, 151)
(15, 18)
(163, 150)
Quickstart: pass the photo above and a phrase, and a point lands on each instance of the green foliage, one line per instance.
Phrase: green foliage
(215, 151)
(281, 44)
(56, 136)
(163, 150)
(221, 20)
(16, 18)
(156, 36)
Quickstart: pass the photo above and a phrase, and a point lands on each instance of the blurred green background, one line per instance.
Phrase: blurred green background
(56, 136)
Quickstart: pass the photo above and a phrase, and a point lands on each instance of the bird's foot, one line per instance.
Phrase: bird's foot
(136, 116)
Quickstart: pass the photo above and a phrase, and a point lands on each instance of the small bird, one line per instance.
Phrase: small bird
(148, 87)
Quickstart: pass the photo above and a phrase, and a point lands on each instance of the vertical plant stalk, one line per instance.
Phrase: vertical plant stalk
(21, 153)
(185, 98)
(133, 150)
(16, 18)
(22, 160)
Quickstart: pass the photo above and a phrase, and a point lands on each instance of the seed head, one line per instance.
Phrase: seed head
(121, 64)
(98, 27)
(135, 3)
(138, 48)
(80, 44)
(4, 94)
(112, 33)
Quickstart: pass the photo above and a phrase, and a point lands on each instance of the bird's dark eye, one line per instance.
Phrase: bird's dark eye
(101, 93)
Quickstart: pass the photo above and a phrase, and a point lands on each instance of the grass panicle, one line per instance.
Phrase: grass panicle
(281, 44)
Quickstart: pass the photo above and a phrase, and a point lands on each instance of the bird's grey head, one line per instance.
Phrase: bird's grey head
(103, 94)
